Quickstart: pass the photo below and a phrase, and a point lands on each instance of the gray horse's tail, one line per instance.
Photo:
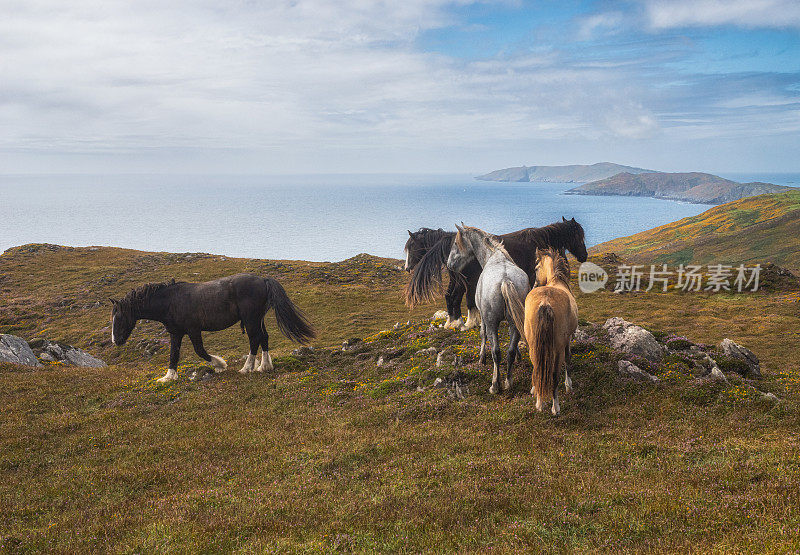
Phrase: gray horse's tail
(291, 320)
(514, 304)
(543, 348)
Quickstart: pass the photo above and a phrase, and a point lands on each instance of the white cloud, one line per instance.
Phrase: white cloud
(89, 77)
(665, 14)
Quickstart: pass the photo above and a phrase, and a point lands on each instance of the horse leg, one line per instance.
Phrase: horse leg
(482, 358)
(253, 334)
(454, 315)
(266, 359)
(513, 349)
(197, 342)
(175, 340)
(557, 371)
(567, 361)
(473, 314)
(496, 360)
(448, 300)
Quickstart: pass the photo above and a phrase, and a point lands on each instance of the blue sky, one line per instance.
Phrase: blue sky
(328, 86)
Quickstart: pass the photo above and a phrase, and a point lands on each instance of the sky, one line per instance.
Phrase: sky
(417, 86)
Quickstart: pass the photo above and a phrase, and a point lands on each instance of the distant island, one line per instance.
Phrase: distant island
(696, 187)
(576, 173)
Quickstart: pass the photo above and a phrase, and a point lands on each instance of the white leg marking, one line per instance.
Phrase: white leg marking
(456, 324)
(538, 402)
(567, 382)
(556, 406)
(218, 363)
(171, 375)
(472, 319)
(248, 364)
(113, 337)
(266, 362)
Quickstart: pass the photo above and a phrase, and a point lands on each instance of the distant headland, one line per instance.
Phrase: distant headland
(696, 187)
(575, 173)
(606, 178)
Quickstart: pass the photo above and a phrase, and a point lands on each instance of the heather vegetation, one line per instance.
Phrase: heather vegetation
(383, 436)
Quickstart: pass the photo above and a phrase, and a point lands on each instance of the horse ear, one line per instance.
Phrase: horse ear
(409, 233)
(573, 220)
(563, 219)
(112, 301)
(459, 228)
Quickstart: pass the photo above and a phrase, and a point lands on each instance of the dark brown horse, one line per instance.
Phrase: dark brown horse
(192, 308)
(521, 246)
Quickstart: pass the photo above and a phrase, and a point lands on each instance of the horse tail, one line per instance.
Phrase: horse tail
(291, 320)
(514, 304)
(544, 353)
(426, 279)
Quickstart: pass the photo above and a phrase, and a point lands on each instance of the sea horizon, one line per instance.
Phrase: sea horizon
(314, 217)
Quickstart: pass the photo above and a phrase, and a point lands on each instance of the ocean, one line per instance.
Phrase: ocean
(313, 217)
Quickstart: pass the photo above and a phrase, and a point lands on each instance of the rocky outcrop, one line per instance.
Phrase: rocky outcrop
(627, 368)
(734, 350)
(632, 339)
(54, 351)
(16, 350)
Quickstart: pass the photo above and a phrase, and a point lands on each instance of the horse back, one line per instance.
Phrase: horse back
(563, 304)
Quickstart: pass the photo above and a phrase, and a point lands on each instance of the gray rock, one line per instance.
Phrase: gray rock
(627, 368)
(632, 339)
(580, 335)
(734, 350)
(16, 350)
(715, 374)
(430, 351)
(769, 396)
(52, 351)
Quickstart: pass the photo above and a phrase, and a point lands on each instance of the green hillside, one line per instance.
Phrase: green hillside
(335, 452)
(765, 228)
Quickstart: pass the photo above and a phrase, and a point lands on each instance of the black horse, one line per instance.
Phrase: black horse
(521, 246)
(192, 308)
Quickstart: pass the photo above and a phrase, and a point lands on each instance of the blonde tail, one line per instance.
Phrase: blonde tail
(545, 359)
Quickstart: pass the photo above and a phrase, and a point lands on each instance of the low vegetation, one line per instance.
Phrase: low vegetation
(334, 451)
(761, 229)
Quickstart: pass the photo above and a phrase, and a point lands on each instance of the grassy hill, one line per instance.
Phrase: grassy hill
(701, 188)
(765, 228)
(332, 451)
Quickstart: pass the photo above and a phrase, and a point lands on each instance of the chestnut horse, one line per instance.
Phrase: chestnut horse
(551, 317)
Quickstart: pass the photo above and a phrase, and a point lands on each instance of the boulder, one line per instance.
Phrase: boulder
(627, 368)
(53, 351)
(632, 339)
(580, 335)
(734, 350)
(16, 350)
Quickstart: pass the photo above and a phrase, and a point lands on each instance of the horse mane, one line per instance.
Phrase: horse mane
(560, 264)
(135, 298)
(426, 237)
(426, 279)
(558, 234)
(492, 241)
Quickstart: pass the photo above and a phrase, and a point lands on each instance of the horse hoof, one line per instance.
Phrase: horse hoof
(506, 384)
(493, 389)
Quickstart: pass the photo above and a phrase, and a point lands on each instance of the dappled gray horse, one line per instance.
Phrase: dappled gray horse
(500, 293)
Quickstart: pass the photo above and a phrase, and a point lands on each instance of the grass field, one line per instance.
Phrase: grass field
(333, 452)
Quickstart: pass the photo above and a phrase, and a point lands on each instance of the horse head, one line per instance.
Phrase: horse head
(575, 242)
(122, 322)
(461, 252)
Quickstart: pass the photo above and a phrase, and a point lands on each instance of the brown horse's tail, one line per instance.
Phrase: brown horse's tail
(291, 320)
(544, 353)
(514, 304)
